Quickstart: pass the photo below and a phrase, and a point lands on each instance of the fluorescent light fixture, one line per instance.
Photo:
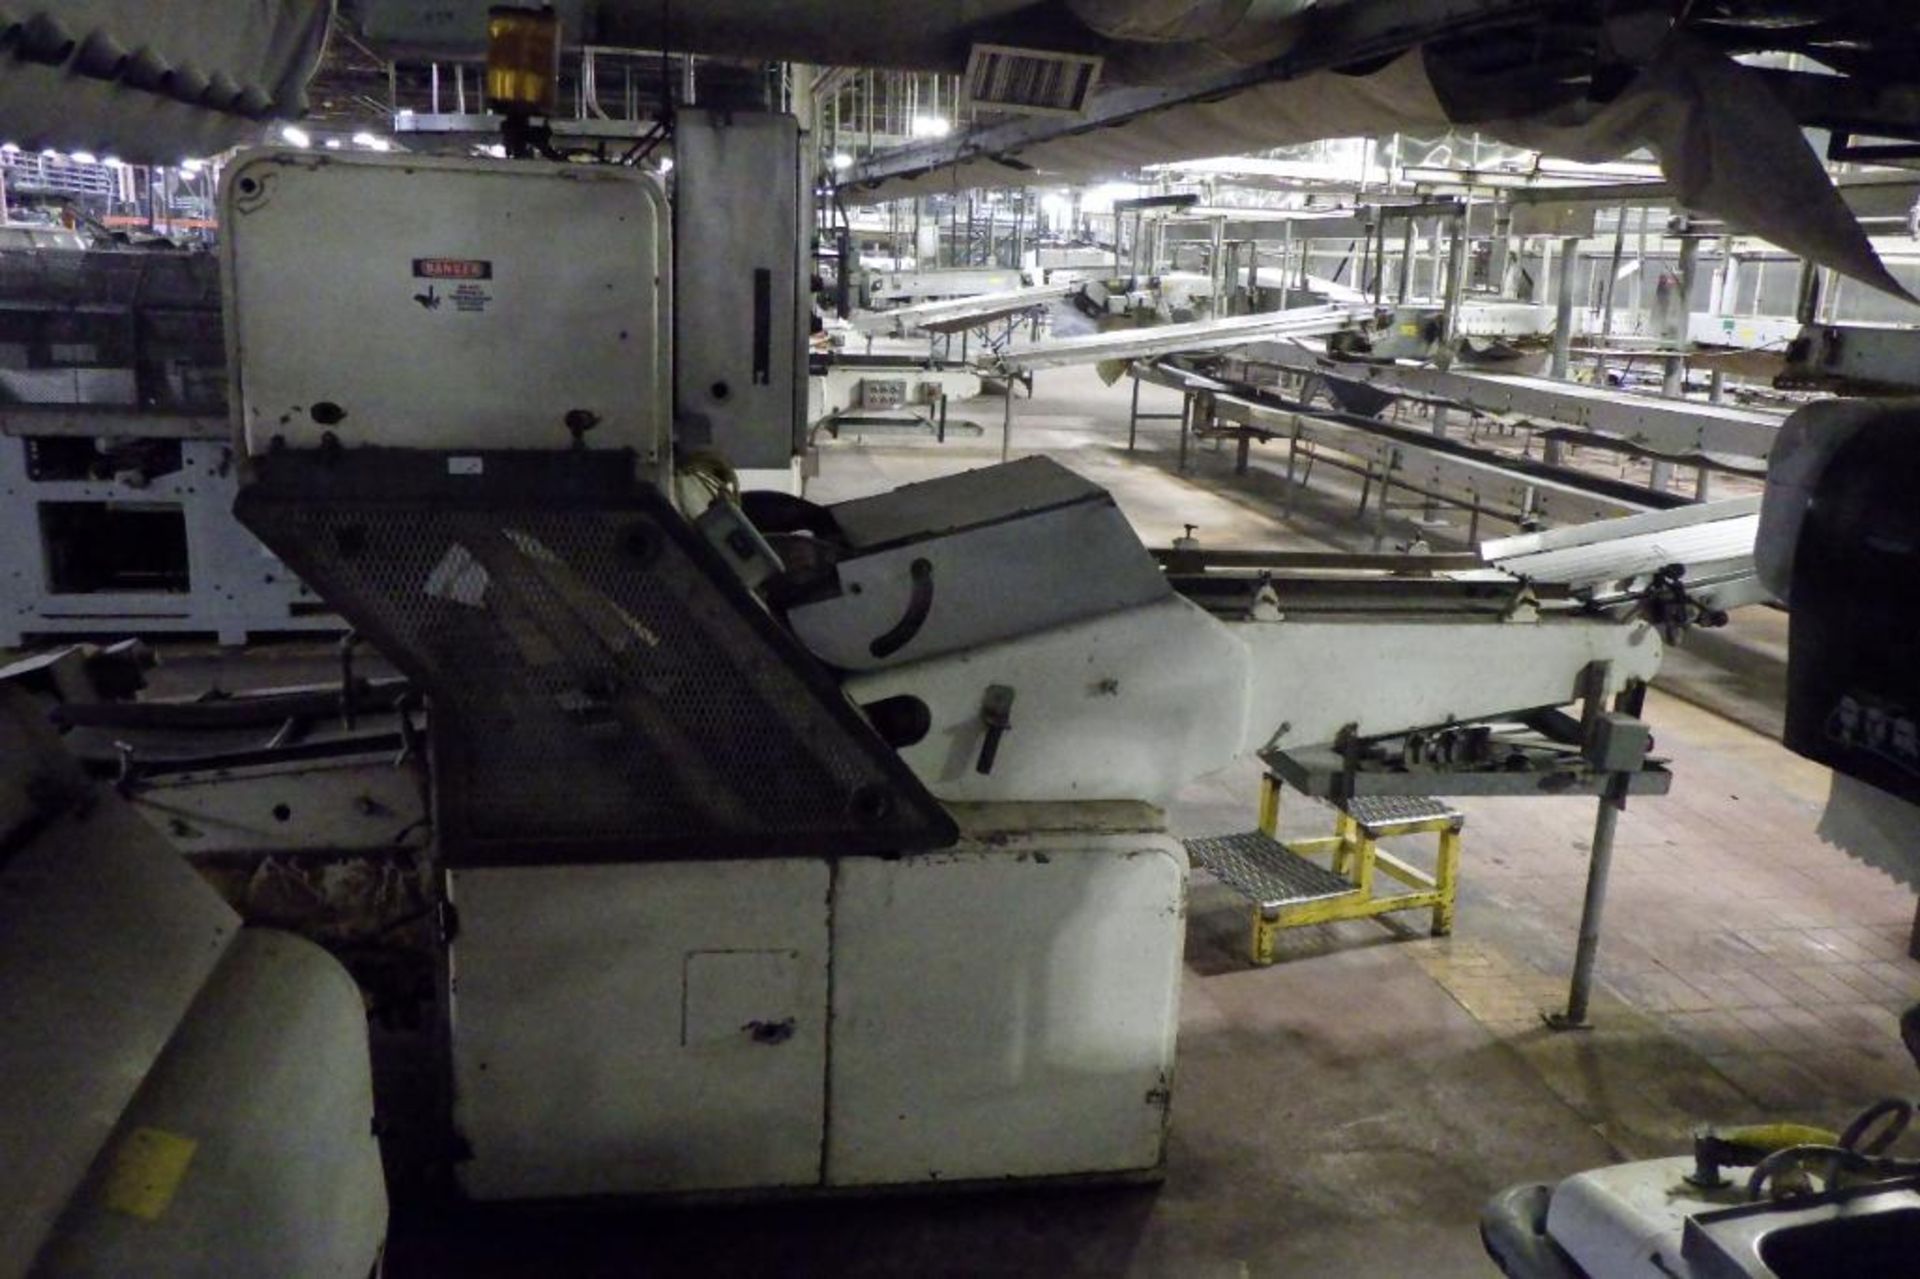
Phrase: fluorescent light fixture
(497, 151)
(666, 164)
(11, 148)
(371, 143)
(191, 166)
(111, 161)
(332, 144)
(85, 157)
(49, 154)
(295, 135)
(841, 160)
(930, 126)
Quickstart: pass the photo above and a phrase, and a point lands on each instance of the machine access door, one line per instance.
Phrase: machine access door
(640, 1029)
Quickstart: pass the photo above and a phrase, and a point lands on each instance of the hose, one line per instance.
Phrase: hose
(1854, 1154)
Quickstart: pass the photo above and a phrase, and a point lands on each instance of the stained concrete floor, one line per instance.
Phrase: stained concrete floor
(1346, 1111)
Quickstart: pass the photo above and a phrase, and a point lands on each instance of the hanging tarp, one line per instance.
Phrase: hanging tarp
(155, 83)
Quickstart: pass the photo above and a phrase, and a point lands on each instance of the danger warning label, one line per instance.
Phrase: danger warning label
(459, 281)
(452, 269)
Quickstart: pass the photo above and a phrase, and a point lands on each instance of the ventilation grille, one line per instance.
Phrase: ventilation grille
(1030, 81)
(599, 690)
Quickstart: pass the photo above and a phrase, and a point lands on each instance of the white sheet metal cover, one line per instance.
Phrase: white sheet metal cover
(443, 303)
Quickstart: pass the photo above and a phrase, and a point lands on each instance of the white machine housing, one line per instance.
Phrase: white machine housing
(456, 313)
(1005, 1007)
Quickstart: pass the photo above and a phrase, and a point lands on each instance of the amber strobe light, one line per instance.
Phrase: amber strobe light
(523, 60)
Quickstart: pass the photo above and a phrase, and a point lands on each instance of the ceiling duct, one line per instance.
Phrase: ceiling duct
(1001, 77)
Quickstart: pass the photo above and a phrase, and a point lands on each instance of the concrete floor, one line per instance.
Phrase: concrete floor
(1346, 1111)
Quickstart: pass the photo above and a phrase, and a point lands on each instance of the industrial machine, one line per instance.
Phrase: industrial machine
(117, 475)
(786, 846)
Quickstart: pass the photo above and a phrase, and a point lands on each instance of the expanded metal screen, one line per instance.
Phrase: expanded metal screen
(600, 686)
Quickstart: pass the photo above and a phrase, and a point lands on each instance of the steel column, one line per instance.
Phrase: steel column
(1563, 306)
(1673, 378)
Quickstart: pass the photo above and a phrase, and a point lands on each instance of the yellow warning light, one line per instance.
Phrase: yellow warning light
(523, 60)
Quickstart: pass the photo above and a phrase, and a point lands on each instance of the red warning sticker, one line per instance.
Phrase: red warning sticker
(452, 269)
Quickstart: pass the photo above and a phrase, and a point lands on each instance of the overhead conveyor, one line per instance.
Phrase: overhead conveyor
(1170, 339)
(954, 314)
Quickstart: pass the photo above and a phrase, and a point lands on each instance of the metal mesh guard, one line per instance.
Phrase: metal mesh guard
(599, 691)
(1262, 869)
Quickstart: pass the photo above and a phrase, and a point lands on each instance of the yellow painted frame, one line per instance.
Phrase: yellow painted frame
(1355, 854)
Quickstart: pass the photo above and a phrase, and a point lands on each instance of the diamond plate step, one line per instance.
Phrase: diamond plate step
(1262, 869)
(1378, 815)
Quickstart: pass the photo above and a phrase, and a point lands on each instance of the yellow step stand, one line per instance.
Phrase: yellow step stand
(1288, 888)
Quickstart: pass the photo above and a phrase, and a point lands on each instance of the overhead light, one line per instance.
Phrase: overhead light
(85, 157)
(1056, 206)
(371, 143)
(49, 154)
(930, 126)
(841, 160)
(296, 135)
(497, 151)
(332, 144)
(190, 166)
(111, 161)
(10, 148)
(666, 164)
(1099, 199)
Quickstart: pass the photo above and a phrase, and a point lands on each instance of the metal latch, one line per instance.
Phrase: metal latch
(996, 712)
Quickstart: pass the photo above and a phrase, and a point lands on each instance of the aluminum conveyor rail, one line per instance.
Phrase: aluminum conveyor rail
(1714, 540)
(952, 314)
(1678, 429)
(1170, 339)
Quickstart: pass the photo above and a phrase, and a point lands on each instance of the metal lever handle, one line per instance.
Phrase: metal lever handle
(996, 712)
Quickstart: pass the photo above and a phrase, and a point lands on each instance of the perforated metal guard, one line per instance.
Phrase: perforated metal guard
(601, 687)
(1265, 871)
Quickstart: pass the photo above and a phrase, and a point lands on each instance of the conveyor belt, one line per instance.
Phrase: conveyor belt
(1714, 540)
(1672, 428)
(1167, 339)
(951, 313)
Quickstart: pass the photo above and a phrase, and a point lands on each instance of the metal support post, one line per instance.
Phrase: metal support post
(1433, 260)
(1243, 455)
(1703, 485)
(1406, 259)
(1006, 422)
(1673, 378)
(1599, 863)
(1293, 456)
(940, 427)
(1217, 266)
(1606, 301)
(1186, 416)
(1133, 414)
(1440, 420)
(1456, 276)
(1806, 305)
(1563, 306)
(1380, 515)
(1662, 477)
(1716, 387)
(1501, 256)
